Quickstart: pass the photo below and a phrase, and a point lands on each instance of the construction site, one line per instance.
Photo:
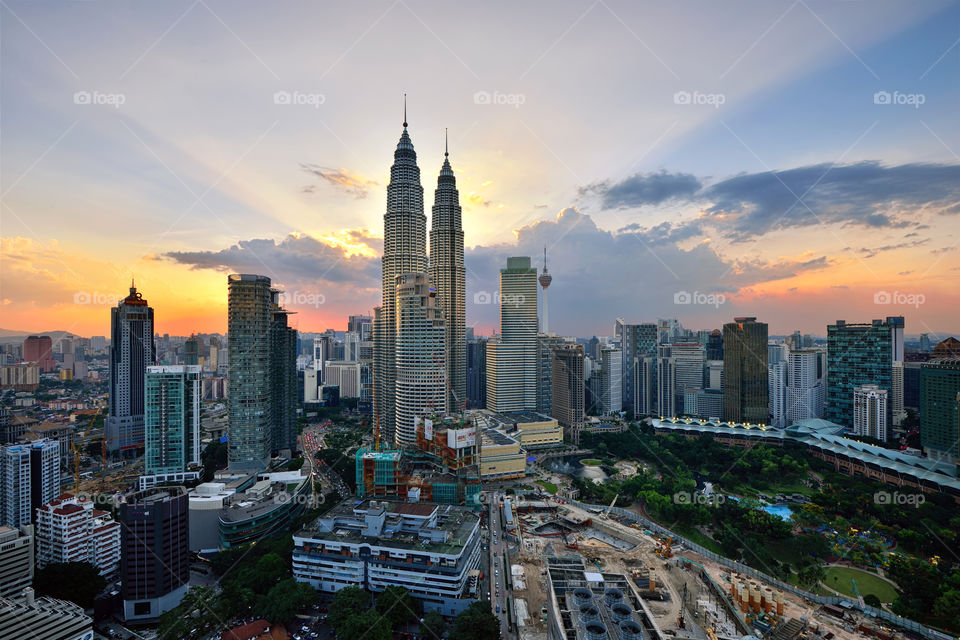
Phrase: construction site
(672, 591)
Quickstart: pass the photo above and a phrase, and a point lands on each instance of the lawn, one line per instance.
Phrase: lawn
(838, 578)
(591, 462)
(549, 486)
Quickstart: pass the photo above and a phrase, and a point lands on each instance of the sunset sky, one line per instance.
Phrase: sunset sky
(792, 161)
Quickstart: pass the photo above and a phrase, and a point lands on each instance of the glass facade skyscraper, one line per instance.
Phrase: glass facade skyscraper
(172, 419)
(132, 350)
(940, 409)
(745, 391)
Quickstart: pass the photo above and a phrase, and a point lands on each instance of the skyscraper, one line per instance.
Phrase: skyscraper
(745, 395)
(449, 277)
(404, 251)
(512, 358)
(477, 373)
(777, 389)
(804, 386)
(420, 351)
(29, 479)
(940, 409)
(637, 341)
(132, 350)
(567, 389)
(859, 354)
(870, 411)
(283, 378)
(39, 349)
(172, 422)
(249, 317)
(191, 351)
(155, 552)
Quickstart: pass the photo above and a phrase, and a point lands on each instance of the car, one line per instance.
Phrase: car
(498, 608)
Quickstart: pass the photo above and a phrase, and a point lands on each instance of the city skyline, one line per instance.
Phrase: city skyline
(799, 161)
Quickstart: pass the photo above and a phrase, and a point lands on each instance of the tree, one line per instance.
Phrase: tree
(347, 603)
(78, 582)
(871, 600)
(476, 622)
(269, 569)
(396, 604)
(811, 576)
(284, 600)
(433, 625)
(368, 625)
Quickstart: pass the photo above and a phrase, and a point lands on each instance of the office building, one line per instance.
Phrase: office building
(172, 424)
(777, 389)
(689, 360)
(16, 559)
(859, 354)
(155, 552)
(98, 343)
(715, 345)
(362, 325)
(512, 357)
(39, 349)
(284, 399)
(29, 478)
(23, 615)
(249, 399)
(940, 409)
(347, 376)
(745, 395)
(637, 341)
(477, 373)
(132, 350)
(191, 351)
(449, 278)
(805, 389)
(545, 346)
(404, 252)
(714, 377)
(870, 411)
(703, 403)
(69, 529)
(606, 382)
(420, 349)
(568, 395)
(431, 550)
(645, 385)
(666, 382)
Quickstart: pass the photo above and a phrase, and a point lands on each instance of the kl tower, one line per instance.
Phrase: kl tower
(545, 279)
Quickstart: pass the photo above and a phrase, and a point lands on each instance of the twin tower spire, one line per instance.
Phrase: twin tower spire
(404, 253)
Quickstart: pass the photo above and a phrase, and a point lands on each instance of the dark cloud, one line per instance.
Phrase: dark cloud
(643, 189)
(339, 178)
(865, 193)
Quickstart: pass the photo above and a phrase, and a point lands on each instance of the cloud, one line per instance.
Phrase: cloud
(867, 194)
(869, 252)
(298, 263)
(644, 189)
(352, 183)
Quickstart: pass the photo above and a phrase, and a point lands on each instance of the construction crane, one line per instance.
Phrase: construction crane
(606, 512)
(857, 592)
(76, 450)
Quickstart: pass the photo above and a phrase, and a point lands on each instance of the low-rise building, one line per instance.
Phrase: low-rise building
(501, 456)
(429, 549)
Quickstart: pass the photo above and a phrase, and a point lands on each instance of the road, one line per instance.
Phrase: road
(498, 563)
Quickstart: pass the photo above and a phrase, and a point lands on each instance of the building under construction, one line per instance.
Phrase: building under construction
(441, 466)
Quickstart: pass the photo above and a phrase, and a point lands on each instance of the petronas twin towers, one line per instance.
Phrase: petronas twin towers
(419, 329)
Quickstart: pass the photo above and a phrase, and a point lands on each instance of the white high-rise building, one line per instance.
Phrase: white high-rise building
(346, 376)
(896, 394)
(69, 529)
(404, 252)
(512, 357)
(29, 478)
(420, 352)
(666, 382)
(805, 390)
(609, 397)
(715, 374)
(689, 359)
(16, 561)
(777, 388)
(870, 411)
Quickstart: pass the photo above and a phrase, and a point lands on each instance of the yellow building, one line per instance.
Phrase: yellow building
(501, 457)
(66, 374)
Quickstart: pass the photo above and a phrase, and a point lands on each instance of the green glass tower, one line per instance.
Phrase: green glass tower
(172, 419)
(859, 354)
(745, 391)
(940, 409)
